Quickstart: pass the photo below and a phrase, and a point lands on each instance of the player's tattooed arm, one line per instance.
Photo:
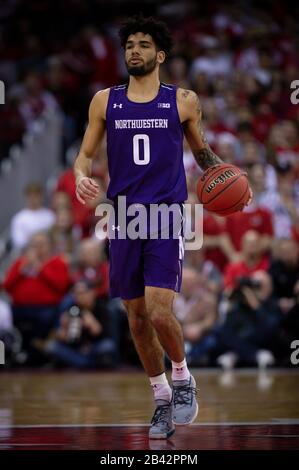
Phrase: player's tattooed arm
(206, 157)
(194, 133)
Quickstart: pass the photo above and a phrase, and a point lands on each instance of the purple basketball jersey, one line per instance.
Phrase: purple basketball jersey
(145, 148)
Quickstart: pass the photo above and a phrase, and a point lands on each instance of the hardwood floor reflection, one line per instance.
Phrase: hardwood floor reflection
(77, 410)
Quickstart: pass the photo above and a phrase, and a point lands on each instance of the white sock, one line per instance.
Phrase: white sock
(180, 370)
(161, 387)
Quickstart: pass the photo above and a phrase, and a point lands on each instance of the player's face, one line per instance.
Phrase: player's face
(140, 54)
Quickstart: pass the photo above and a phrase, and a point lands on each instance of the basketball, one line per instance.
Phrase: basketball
(223, 189)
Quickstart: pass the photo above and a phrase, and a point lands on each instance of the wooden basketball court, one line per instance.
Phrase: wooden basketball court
(244, 409)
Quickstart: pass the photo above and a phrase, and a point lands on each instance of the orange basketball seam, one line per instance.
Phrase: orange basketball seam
(225, 188)
(228, 208)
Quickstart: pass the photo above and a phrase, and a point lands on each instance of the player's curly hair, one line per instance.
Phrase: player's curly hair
(156, 28)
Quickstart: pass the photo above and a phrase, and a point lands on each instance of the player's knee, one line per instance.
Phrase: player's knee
(160, 317)
(134, 306)
(136, 317)
(137, 323)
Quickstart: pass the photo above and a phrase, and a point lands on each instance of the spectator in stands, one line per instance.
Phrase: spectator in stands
(257, 177)
(252, 322)
(102, 56)
(284, 271)
(207, 270)
(217, 243)
(83, 214)
(65, 87)
(36, 283)
(61, 201)
(36, 100)
(254, 155)
(84, 336)
(263, 120)
(213, 124)
(65, 235)
(244, 132)
(34, 218)
(284, 142)
(214, 61)
(249, 330)
(93, 265)
(226, 147)
(253, 259)
(254, 218)
(283, 203)
(177, 72)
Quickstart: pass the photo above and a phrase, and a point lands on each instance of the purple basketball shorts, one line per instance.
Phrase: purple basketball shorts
(146, 260)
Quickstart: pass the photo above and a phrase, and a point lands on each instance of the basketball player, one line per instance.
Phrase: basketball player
(145, 122)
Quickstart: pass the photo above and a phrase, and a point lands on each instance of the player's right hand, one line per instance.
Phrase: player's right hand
(86, 188)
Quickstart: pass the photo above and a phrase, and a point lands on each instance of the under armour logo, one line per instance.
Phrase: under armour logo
(115, 105)
(115, 227)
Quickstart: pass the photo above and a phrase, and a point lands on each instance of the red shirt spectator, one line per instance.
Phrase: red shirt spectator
(234, 271)
(45, 287)
(252, 218)
(262, 122)
(253, 260)
(37, 278)
(93, 265)
(99, 276)
(82, 214)
(212, 227)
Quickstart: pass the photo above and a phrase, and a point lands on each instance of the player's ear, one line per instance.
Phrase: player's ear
(161, 57)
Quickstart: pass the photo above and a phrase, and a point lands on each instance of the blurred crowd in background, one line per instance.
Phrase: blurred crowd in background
(239, 303)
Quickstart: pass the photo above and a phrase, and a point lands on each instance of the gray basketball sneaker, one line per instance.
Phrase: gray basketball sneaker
(161, 425)
(185, 406)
